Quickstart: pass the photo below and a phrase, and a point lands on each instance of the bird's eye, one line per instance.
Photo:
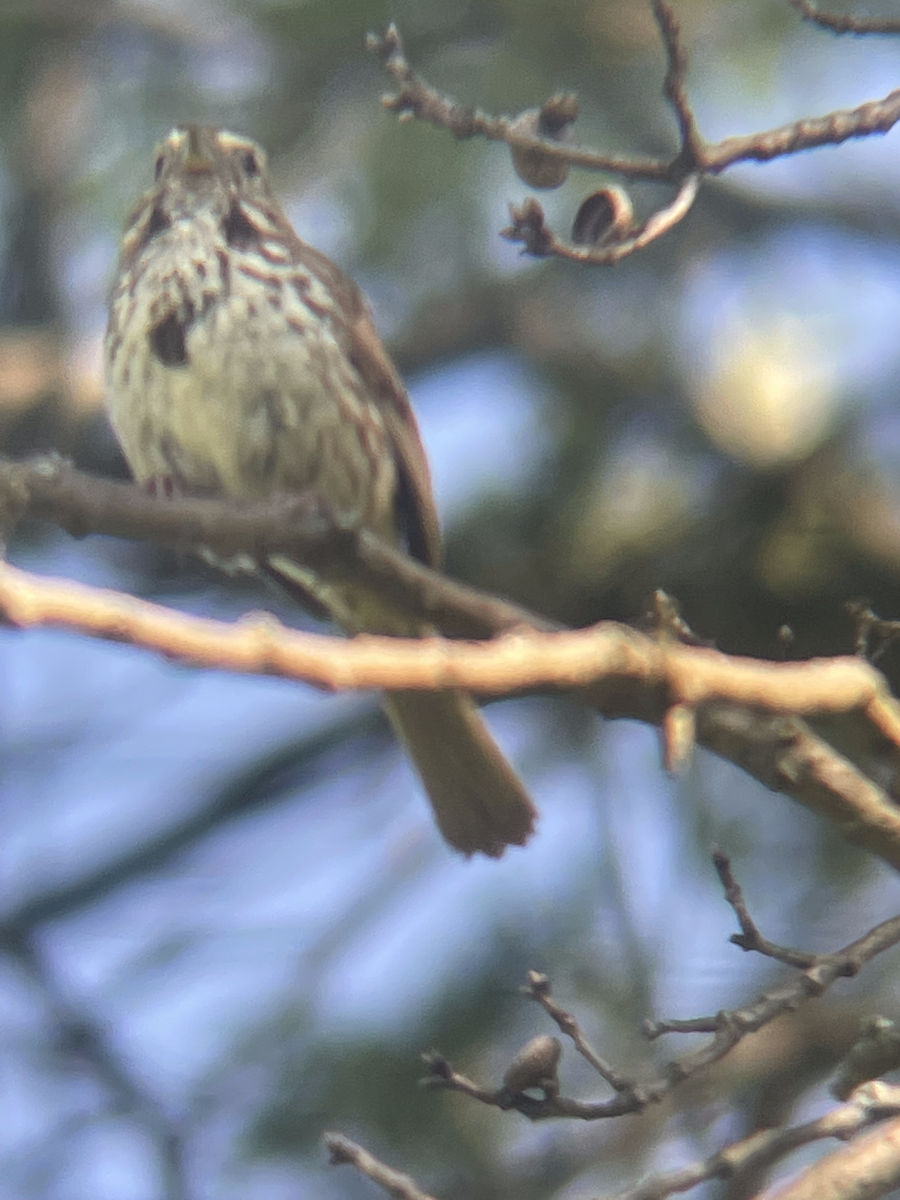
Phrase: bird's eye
(160, 163)
(250, 163)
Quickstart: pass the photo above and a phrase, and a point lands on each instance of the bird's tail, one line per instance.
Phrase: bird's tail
(479, 801)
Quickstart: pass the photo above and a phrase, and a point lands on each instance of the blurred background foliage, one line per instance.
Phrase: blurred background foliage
(228, 921)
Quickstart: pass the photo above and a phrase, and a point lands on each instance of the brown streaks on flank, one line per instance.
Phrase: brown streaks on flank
(301, 285)
(224, 270)
(269, 278)
(274, 253)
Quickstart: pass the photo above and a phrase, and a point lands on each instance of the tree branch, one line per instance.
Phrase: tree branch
(870, 1105)
(844, 23)
(691, 691)
(514, 663)
(529, 227)
(414, 98)
(728, 1028)
(299, 526)
(864, 1170)
(397, 1185)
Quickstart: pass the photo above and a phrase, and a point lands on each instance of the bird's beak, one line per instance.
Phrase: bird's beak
(197, 160)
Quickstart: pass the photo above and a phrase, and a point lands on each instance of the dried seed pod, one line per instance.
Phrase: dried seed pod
(552, 121)
(605, 216)
(534, 1066)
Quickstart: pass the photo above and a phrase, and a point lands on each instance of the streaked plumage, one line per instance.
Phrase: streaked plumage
(242, 362)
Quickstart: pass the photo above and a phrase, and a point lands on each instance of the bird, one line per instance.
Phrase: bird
(242, 362)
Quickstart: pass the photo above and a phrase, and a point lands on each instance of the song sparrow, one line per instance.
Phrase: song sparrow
(242, 362)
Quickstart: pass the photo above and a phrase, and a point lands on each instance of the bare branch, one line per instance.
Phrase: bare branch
(871, 1104)
(865, 1170)
(442, 1077)
(397, 1185)
(876, 116)
(301, 526)
(538, 989)
(535, 1069)
(415, 98)
(844, 23)
(728, 1028)
(530, 228)
(819, 971)
(520, 661)
(614, 668)
(674, 85)
(868, 1164)
(695, 159)
(750, 938)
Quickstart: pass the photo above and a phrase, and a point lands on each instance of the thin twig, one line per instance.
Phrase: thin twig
(843, 23)
(696, 158)
(860, 1165)
(415, 98)
(819, 971)
(870, 1105)
(674, 85)
(443, 1077)
(750, 938)
(538, 988)
(875, 116)
(529, 227)
(731, 1026)
(728, 1028)
(343, 1150)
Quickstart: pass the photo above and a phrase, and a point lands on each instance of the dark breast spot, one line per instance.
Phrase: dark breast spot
(168, 339)
(239, 230)
(157, 223)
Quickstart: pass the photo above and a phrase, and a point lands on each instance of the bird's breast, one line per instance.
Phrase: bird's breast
(228, 373)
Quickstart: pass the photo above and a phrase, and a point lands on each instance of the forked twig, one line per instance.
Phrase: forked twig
(603, 240)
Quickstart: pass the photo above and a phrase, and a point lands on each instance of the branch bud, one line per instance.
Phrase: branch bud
(550, 122)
